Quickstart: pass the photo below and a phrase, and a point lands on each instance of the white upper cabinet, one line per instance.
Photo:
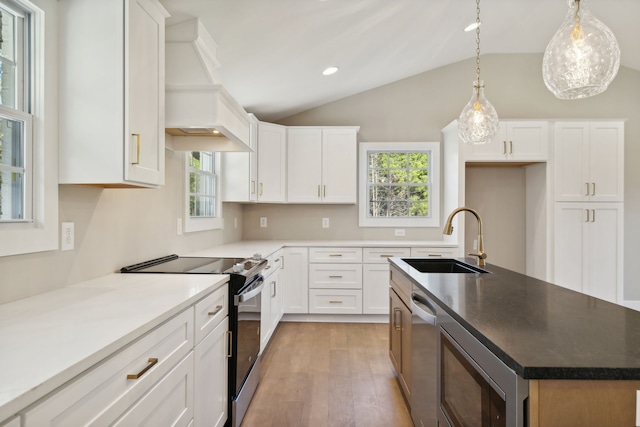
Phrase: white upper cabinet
(240, 170)
(517, 141)
(322, 164)
(589, 161)
(112, 93)
(272, 152)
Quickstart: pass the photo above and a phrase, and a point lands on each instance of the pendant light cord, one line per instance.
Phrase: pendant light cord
(478, 46)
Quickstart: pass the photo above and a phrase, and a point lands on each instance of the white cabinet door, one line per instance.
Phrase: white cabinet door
(265, 316)
(517, 141)
(589, 161)
(240, 170)
(339, 165)
(375, 288)
(322, 165)
(113, 134)
(435, 252)
(304, 165)
(271, 162)
(170, 402)
(276, 299)
(295, 280)
(210, 380)
(588, 248)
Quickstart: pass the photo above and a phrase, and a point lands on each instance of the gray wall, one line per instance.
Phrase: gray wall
(416, 108)
(113, 228)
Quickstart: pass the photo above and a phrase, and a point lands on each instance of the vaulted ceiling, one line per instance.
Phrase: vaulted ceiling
(272, 52)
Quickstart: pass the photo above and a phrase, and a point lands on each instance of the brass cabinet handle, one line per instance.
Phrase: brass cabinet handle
(587, 211)
(253, 187)
(325, 191)
(593, 215)
(396, 310)
(137, 135)
(386, 256)
(335, 302)
(152, 362)
(282, 265)
(318, 190)
(335, 277)
(216, 311)
(504, 147)
(273, 289)
(229, 348)
(586, 184)
(261, 188)
(510, 147)
(434, 255)
(334, 255)
(593, 188)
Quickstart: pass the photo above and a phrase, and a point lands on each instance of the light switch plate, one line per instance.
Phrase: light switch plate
(325, 222)
(263, 221)
(399, 232)
(66, 236)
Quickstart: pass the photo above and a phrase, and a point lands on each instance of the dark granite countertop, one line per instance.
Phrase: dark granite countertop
(540, 330)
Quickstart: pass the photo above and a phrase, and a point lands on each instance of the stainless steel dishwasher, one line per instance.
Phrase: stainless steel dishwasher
(424, 359)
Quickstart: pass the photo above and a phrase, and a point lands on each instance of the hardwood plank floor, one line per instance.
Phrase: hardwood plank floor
(326, 375)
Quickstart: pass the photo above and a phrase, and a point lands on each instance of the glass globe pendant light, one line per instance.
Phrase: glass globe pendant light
(583, 56)
(478, 123)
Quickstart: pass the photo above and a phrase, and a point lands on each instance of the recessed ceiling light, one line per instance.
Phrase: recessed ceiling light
(330, 70)
(472, 27)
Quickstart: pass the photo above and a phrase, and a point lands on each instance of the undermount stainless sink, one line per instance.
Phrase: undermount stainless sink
(442, 265)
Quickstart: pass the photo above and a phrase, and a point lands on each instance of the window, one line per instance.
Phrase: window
(203, 207)
(399, 184)
(28, 142)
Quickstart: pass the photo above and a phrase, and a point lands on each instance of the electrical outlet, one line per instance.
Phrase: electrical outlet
(66, 237)
(325, 222)
(263, 221)
(399, 232)
(179, 227)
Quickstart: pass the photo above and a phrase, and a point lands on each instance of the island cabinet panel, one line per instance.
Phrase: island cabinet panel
(516, 141)
(589, 161)
(112, 93)
(582, 403)
(321, 164)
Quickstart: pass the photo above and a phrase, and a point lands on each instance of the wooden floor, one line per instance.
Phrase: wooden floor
(328, 374)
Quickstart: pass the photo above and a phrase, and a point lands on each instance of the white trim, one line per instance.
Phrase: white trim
(193, 224)
(434, 176)
(42, 233)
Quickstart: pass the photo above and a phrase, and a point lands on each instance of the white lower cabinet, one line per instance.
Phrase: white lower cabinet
(271, 299)
(335, 301)
(168, 403)
(335, 280)
(210, 383)
(176, 375)
(435, 252)
(375, 278)
(104, 393)
(14, 422)
(589, 248)
(295, 280)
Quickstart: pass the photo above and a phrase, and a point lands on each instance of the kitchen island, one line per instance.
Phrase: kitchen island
(579, 354)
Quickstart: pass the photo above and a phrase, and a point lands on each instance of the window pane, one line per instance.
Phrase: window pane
(8, 80)
(7, 46)
(8, 84)
(398, 160)
(378, 160)
(377, 209)
(11, 195)
(11, 143)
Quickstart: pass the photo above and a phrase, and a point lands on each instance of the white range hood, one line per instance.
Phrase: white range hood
(199, 113)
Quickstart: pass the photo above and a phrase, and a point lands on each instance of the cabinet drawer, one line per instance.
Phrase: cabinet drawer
(434, 252)
(344, 276)
(273, 263)
(103, 393)
(380, 255)
(210, 311)
(401, 285)
(169, 403)
(333, 255)
(335, 301)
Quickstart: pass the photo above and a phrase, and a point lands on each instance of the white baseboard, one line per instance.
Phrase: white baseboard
(336, 318)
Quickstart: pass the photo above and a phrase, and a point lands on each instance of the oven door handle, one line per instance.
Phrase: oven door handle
(246, 296)
(418, 300)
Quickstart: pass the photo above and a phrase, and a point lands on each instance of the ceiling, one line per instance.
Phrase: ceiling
(272, 52)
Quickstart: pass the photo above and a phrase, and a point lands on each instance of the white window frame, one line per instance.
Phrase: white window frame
(40, 233)
(434, 187)
(194, 224)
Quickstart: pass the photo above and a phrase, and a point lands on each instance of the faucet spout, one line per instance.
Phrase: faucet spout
(448, 229)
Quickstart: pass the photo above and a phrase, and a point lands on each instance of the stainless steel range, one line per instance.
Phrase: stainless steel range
(245, 287)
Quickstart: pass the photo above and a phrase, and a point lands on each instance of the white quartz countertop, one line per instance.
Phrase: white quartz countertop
(246, 248)
(48, 339)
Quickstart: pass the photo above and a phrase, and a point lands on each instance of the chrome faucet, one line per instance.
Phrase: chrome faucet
(448, 229)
